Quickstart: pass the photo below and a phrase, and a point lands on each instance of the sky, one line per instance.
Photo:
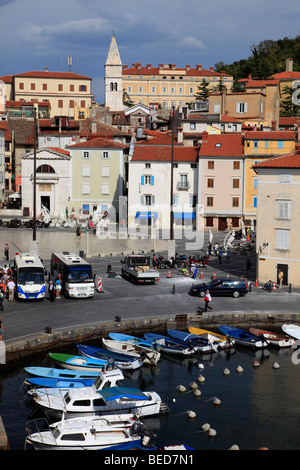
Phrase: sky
(35, 34)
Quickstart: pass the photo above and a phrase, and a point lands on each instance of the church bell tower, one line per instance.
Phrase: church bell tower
(113, 78)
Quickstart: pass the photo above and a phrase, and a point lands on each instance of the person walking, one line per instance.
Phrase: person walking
(1, 329)
(207, 299)
(6, 252)
(78, 233)
(58, 287)
(51, 290)
(11, 290)
(228, 255)
(1, 300)
(280, 278)
(220, 254)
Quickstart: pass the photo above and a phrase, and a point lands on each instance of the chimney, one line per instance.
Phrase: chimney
(187, 67)
(212, 69)
(273, 126)
(199, 67)
(179, 135)
(46, 69)
(125, 67)
(289, 65)
(204, 136)
(148, 66)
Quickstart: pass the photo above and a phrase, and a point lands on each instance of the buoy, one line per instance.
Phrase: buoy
(234, 447)
(197, 393)
(191, 414)
(201, 275)
(276, 365)
(239, 369)
(274, 288)
(181, 388)
(255, 363)
(201, 378)
(206, 427)
(217, 401)
(200, 366)
(169, 274)
(212, 432)
(256, 283)
(226, 371)
(193, 385)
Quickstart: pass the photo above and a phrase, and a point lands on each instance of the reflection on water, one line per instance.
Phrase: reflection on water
(259, 406)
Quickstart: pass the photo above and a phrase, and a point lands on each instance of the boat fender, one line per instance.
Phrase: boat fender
(234, 447)
(212, 432)
(239, 369)
(200, 366)
(206, 427)
(193, 385)
(255, 363)
(226, 371)
(181, 388)
(201, 379)
(191, 414)
(276, 365)
(197, 393)
(217, 401)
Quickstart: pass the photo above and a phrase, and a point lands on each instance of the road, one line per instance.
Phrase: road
(121, 298)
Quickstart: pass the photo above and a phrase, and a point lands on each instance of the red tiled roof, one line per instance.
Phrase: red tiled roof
(261, 83)
(5, 127)
(270, 135)
(163, 153)
(99, 142)
(225, 118)
(44, 74)
(163, 138)
(222, 145)
(291, 160)
(7, 78)
(286, 75)
(59, 150)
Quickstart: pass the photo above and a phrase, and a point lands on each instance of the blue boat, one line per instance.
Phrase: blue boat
(122, 361)
(169, 345)
(50, 372)
(131, 339)
(190, 340)
(58, 383)
(244, 338)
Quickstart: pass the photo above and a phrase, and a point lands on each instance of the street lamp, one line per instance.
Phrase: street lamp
(34, 178)
(172, 160)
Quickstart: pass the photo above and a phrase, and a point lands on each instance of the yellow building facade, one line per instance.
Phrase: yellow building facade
(166, 86)
(69, 94)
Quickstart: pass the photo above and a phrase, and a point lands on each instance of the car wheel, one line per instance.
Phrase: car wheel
(201, 294)
(236, 294)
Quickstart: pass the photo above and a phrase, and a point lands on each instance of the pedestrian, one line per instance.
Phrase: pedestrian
(78, 233)
(228, 255)
(249, 264)
(209, 248)
(1, 300)
(280, 278)
(51, 290)
(207, 299)
(220, 254)
(6, 252)
(57, 287)
(154, 262)
(11, 290)
(1, 329)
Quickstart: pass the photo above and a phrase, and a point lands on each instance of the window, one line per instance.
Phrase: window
(209, 201)
(191, 90)
(105, 188)
(175, 200)
(32, 86)
(236, 165)
(147, 179)
(71, 87)
(254, 201)
(192, 126)
(71, 104)
(44, 86)
(284, 178)
(129, 89)
(235, 202)
(255, 144)
(21, 86)
(211, 165)
(210, 183)
(153, 89)
(236, 183)
(254, 183)
(85, 171)
(280, 144)
(164, 89)
(85, 208)
(241, 107)
(184, 181)
(105, 155)
(105, 171)
(45, 169)
(86, 154)
(60, 103)
(85, 189)
(60, 87)
(180, 90)
(147, 200)
(282, 239)
(147, 165)
(82, 87)
(172, 89)
(82, 104)
(140, 89)
(283, 209)
(266, 144)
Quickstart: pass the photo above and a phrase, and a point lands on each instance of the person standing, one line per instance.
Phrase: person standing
(207, 299)
(11, 290)
(1, 329)
(280, 278)
(51, 290)
(154, 262)
(1, 300)
(58, 287)
(220, 254)
(6, 252)
(228, 254)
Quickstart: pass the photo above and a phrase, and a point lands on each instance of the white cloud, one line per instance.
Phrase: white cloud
(191, 43)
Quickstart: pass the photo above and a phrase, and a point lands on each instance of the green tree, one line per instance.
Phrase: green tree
(127, 101)
(287, 107)
(202, 93)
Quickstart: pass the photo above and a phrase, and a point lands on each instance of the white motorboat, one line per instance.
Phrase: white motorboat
(148, 354)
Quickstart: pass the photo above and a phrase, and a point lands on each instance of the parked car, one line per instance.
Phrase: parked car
(219, 286)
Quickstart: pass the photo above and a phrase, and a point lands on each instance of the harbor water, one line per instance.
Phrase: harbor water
(258, 407)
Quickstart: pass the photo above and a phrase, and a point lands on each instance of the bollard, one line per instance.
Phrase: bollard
(173, 292)
(99, 284)
(290, 288)
(250, 286)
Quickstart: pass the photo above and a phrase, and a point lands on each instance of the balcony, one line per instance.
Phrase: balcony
(183, 186)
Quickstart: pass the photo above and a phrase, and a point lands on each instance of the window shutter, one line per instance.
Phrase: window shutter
(142, 199)
(152, 180)
(152, 200)
(142, 179)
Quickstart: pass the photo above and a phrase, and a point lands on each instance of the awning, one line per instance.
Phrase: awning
(15, 195)
(184, 215)
(146, 215)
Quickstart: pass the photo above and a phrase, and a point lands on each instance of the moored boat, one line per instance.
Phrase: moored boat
(218, 340)
(169, 345)
(191, 340)
(71, 362)
(291, 330)
(244, 338)
(281, 341)
(122, 361)
(131, 345)
(52, 372)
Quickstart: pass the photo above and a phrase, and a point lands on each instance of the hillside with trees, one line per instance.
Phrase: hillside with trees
(268, 57)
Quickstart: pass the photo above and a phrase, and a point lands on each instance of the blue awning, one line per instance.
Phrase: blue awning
(184, 215)
(146, 215)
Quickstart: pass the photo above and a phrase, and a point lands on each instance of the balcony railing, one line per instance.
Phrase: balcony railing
(181, 186)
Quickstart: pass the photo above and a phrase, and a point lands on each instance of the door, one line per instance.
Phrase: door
(285, 269)
(222, 225)
(45, 201)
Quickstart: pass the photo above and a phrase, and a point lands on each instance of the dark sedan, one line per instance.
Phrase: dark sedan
(220, 286)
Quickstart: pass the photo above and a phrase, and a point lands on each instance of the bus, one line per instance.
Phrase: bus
(29, 274)
(75, 274)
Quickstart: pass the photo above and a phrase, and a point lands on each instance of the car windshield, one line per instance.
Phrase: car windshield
(31, 275)
(80, 274)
